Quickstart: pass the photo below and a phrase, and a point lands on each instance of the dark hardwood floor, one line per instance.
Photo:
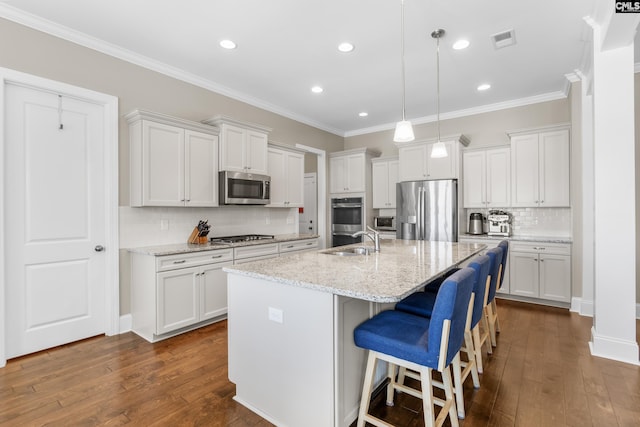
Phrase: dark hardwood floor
(541, 374)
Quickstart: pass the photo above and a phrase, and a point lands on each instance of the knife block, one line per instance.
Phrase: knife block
(198, 240)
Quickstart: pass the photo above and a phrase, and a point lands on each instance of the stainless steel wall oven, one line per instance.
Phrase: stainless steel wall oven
(347, 217)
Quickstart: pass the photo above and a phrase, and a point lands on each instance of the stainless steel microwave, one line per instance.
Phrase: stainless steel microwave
(241, 188)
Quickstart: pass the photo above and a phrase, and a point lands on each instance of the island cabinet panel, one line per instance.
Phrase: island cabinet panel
(281, 351)
(173, 294)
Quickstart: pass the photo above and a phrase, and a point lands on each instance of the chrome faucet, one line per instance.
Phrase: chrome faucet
(372, 234)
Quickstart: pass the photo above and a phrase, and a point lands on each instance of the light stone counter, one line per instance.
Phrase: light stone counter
(183, 248)
(399, 269)
(520, 238)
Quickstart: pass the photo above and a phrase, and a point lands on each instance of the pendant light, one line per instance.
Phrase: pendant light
(439, 150)
(404, 130)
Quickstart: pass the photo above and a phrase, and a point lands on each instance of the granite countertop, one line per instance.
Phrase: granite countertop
(521, 238)
(399, 269)
(182, 248)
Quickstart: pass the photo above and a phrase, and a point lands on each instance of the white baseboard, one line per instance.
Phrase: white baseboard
(125, 323)
(613, 348)
(585, 307)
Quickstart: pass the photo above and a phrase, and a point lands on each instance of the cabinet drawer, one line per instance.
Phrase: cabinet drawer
(541, 248)
(172, 262)
(255, 251)
(298, 245)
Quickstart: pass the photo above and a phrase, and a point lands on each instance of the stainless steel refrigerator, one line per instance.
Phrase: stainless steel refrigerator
(427, 210)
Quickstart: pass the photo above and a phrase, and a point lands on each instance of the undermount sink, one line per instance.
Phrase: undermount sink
(361, 250)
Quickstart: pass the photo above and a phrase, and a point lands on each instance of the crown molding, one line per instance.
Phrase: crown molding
(551, 96)
(18, 16)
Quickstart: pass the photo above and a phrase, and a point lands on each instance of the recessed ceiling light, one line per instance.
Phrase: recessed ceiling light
(461, 44)
(316, 89)
(484, 86)
(363, 114)
(345, 47)
(228, 44)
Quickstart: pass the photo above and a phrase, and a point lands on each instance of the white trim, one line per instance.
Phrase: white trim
(582, 307)
(13, 14)
(126, 323)
(110, 103)
(321, 192)
(551, 96)
(21, 17)
(613, 348)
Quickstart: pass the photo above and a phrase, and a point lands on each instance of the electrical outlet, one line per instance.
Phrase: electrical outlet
(164, 224)
(275, 315)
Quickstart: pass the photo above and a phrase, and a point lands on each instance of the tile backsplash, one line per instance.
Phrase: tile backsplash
(536, 221)
(149, 226)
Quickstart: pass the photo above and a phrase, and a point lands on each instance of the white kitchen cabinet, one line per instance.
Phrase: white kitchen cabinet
(541, 270)
(175, 293)
(286, 169)
(540, 168)
(173, 162)
(416, 163)
(385, 177)
(243, 146)
(348, 170)
(486, 178)
(256, 252)
(297, 246)
(492, 243)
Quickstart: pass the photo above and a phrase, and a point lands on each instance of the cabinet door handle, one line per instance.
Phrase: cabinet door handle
(182, 261)
(309, 244)
(216, 256)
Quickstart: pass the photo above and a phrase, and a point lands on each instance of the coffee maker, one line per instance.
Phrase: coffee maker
(475, 223)
(499, 223)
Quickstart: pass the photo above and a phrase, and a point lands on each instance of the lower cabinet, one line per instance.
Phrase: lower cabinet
(175, 293)
(541, 270)
(297, 246)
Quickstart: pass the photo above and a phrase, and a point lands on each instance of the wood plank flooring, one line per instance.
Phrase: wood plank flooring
(541, 374)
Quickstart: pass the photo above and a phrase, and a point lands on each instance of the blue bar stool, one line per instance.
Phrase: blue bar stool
(420, 344)
(492, 308)
(421, 304)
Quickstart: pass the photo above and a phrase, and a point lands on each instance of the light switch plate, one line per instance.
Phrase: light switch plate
(164, 224)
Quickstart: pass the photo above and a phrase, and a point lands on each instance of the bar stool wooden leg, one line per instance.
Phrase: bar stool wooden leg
(427, 397)
(448, 391)
(367, 389)
(391, 374)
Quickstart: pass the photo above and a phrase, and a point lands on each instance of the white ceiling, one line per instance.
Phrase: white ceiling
(287, 46)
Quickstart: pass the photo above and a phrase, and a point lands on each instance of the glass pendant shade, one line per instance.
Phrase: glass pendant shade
(439, 150)
(404, 132)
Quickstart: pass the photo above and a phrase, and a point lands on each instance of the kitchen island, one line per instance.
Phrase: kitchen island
(291, 322)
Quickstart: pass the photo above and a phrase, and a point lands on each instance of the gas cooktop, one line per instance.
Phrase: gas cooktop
(242, 238)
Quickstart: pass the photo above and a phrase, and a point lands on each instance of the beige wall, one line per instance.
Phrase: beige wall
(30, 51)
(575, 99)
(637, 133)
(484, 129)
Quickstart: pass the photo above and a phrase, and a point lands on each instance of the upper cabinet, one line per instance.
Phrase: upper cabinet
(486, 178)
(173, 162)
(243, 146)
(385, 178)
(286, 169)
(540, 168)
(348, 170)
(416, 163)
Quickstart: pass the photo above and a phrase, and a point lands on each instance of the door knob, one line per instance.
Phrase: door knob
(99, 248)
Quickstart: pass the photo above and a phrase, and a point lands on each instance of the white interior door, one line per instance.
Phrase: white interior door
(309, 217)
(55, 270)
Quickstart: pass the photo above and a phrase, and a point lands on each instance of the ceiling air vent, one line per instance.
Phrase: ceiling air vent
(504, 39)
